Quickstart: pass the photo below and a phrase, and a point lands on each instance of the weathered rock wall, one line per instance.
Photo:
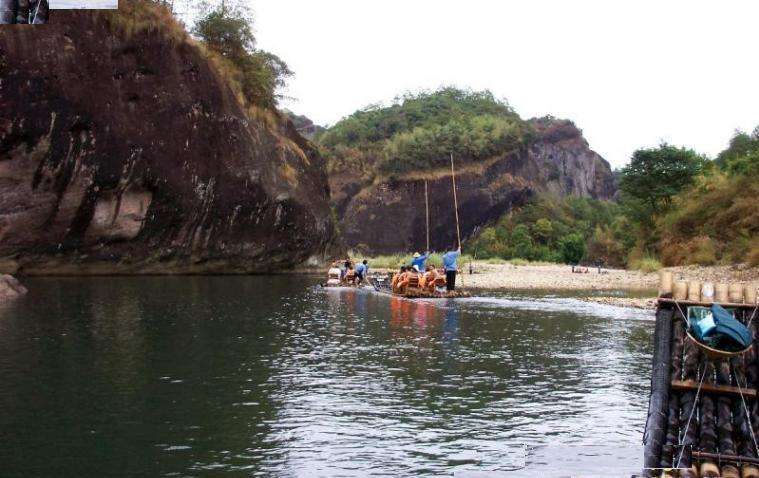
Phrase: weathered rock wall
(129, 153)
(386, 217)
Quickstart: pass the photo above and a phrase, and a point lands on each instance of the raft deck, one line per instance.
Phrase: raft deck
(701, 402)
(417, 293)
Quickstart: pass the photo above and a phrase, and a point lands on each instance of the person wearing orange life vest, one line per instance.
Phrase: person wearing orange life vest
(404, 280)
(427, 281)
(396, 278)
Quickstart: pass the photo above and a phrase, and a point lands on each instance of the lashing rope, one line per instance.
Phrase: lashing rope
(690, 417)
(745, 408)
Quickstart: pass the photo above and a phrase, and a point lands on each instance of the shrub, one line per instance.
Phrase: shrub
(227, 30)
(646, 265)
(753, 254)
(572, 248)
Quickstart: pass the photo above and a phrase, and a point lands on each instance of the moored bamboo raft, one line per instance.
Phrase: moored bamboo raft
(703, 415)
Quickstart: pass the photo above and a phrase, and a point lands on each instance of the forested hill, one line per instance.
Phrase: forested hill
(379, 158)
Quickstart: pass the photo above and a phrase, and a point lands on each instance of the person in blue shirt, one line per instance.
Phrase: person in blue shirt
(419, 261)
(450, 266)
(361, 271)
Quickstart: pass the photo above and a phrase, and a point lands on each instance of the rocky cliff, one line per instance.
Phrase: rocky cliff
(123, 149)
(389, 216)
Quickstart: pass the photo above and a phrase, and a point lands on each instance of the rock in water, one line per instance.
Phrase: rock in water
(10, 287)
(124, 149)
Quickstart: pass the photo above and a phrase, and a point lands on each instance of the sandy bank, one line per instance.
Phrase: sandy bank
(561, 278)
(553, 277)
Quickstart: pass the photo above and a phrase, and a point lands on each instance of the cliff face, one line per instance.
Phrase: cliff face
(129, 153)
(386, 217)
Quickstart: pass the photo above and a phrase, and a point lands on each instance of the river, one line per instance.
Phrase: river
(256, 376)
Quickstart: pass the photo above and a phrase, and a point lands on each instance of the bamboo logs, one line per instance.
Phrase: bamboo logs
(735, 293)
(666, 283)
(656, 425)
(750, 293)
(694, 290)
(707, 292)
(721, 293)
(680, 291)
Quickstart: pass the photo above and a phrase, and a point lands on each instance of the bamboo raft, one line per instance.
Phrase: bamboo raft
(703, 407)
(416, 292)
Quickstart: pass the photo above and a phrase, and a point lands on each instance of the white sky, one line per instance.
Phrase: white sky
(629, 73)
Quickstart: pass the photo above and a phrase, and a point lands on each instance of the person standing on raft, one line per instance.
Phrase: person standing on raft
(419, 261)
(361, 271)
(450, 266)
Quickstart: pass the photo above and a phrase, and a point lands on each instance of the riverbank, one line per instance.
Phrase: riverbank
(561, 278)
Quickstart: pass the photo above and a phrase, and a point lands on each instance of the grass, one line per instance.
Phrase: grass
(395, 261)
(646, 264)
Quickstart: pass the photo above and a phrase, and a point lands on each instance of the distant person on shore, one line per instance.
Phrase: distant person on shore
(361, 271)
(450, 266)
(419, 260)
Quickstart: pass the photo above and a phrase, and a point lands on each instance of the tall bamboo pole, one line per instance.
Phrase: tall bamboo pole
(455, 202)
(427, 209)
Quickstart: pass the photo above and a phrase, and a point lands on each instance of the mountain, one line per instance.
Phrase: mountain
(305, 127)
(125, 148)
(380, 158)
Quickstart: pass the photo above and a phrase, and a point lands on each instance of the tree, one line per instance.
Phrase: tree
(521, 241)
(572, 248)
(543, 230)
(227, 29)
(741, 144)
(653, 177)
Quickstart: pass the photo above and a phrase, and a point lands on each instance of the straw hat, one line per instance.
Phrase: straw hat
(416, 254)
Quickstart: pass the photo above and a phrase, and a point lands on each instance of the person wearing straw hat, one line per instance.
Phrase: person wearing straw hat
(419, 261)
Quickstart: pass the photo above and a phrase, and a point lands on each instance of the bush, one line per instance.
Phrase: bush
(752, 257)
(646, 265)
(539, 230)
(572, 248)
(468, 139)
(227, 30)
(420, 131)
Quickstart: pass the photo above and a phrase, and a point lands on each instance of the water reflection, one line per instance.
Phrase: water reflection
(272, 377)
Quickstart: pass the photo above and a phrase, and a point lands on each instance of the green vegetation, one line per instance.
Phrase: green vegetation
(395, 261)
(547, 229)
(652, 179)
(227, 30)
(676, 207)
(225, 34)
(420, 131)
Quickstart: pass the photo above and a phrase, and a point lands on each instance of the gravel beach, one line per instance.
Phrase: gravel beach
(561, 278)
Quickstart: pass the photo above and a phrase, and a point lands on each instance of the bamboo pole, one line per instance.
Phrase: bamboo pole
(455, 203)
(427, 209)
(41, 12)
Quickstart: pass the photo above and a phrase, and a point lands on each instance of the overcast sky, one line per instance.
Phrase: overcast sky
(629, 73)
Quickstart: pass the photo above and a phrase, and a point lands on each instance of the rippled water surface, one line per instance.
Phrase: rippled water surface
(253, 376)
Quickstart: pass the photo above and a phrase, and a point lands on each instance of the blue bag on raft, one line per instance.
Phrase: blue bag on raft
(728, 328)
(702, 323)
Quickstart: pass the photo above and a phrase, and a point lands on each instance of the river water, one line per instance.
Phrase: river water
(255, 376)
